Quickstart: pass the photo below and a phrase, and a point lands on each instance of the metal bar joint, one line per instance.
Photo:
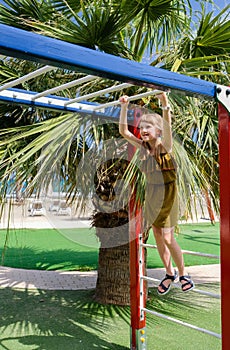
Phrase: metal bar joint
(223, 96)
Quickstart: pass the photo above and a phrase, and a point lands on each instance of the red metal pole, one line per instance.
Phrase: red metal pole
(138, 319)
(209, 207)
(224, 161)
(138, 323)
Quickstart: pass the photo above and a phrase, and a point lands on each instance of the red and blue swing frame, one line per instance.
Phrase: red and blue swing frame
(21, 44)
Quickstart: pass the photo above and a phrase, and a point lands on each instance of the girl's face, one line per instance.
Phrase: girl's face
(148, 131)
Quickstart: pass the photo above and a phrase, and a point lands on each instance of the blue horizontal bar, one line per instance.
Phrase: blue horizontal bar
(22, 44)
(111, 113)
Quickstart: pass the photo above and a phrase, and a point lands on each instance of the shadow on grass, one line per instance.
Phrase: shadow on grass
(52, 320)
(191, 308)
(202, 239)
(206, 234)
(57, 320)
(60, 259)
(181, 305)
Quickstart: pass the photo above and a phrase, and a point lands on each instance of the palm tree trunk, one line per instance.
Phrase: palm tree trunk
(113, 265)
(112, 229)
(113, 282)
(113, 276)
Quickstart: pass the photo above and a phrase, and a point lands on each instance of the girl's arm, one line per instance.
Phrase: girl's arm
(167, 140)
(123, 124)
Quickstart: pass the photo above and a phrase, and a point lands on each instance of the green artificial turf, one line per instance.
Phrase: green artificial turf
(57, 320)
(50, 249)
(201, 237)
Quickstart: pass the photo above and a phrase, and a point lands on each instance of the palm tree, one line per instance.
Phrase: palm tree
(57, 143)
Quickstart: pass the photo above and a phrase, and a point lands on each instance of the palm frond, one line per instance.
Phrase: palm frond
(67, 7)
(16, 11)
(97, 27)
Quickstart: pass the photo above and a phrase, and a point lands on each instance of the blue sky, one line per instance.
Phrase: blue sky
(216, 7)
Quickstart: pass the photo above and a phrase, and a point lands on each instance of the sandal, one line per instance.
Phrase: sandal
(188, 281)
(166, 289)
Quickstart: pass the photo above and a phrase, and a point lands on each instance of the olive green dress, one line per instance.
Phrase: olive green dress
(161, 197)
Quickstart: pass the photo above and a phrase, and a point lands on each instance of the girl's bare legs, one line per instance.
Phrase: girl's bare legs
(168, 247)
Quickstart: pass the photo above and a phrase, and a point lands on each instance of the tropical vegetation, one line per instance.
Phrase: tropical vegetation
(38, 146)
